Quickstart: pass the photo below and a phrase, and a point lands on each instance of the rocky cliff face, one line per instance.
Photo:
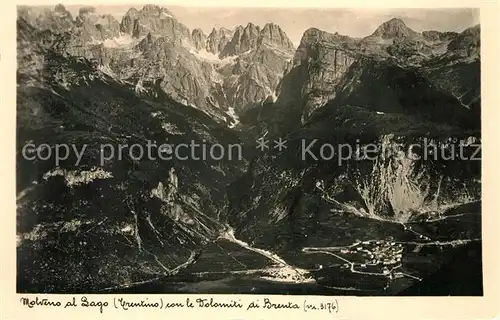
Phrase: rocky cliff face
(199, 39)
(250, 37)
(324, 59)
(163, 65)
(324, 65)
(255, 76)
(303, 199)
(433, 35)
(262, 58)
(217, 40)
(458, 70)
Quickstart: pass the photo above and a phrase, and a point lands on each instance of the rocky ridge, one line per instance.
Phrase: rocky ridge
(324, 60)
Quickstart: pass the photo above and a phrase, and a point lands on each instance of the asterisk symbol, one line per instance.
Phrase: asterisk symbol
(262, 144)
(280, 144)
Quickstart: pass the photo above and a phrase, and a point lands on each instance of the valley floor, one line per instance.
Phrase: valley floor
(368, 267)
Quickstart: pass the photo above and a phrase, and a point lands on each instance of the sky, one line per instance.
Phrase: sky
(294, 21)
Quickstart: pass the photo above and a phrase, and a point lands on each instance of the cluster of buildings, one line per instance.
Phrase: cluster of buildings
(375, 252)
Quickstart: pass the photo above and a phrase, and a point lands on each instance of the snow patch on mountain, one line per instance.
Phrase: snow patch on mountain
(204, 55)
(123, 40)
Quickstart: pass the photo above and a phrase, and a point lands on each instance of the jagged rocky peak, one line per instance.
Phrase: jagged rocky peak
(199, 39)
(252, 37)
(217, 39)
(128, 20)
(154, 19)
(394, 28)
(94, 26)
(25, 31)
(146, 43)
(272, 35)
(154, 10)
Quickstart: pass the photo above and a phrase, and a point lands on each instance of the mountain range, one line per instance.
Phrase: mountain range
(241, 68)
(91, 79)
